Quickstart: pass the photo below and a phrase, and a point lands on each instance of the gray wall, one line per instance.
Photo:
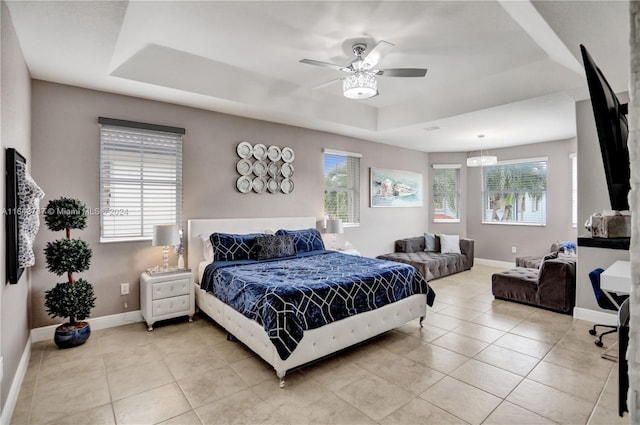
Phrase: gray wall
(66, 162)
(494, 241)
(15, 132)
(593, 196)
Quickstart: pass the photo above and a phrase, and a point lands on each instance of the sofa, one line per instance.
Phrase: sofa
(552, 287)
(433, 264)
(534, 261)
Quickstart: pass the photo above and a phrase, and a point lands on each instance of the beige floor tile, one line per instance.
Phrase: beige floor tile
(401, 343)
(328, 410)
(425, 334)
(62, 370)
(462, 400)
(139, 378)
(551, 403)
(513, 310)
(483, 333)
(54, 356)
(374, 396)
(536, 331)
(233, 351)
(183, 364)
(510, 414)
(254, 370)
(207, 386)
(588, 362)
(608, 416)
(524, 345)
(489, 378)
(460, 312)
(101, 415)
(124, 341)
(335, 375)
(151, 406)
(69, 399)
(188, 418)
(298, 391)
(234, 409)
(496, 321)
(509, 360)
(47, 384)
(441, 321)
(567, 380)
(405, 373)
(461, 344)
(137, 356)
(437, 358)
(419, 411)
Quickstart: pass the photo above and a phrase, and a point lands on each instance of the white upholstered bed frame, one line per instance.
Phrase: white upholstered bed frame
(316, 343)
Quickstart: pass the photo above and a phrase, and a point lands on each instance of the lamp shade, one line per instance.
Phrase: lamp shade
(479, 161)
(360, 85)
(334, 226)
(165, 235)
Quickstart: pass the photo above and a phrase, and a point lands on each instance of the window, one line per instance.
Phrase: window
(342, 186)
(140, 178)
(574, 190)
(515, 192)
(446, 197)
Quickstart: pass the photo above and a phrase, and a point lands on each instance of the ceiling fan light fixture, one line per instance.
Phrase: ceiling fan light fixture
(360, 85)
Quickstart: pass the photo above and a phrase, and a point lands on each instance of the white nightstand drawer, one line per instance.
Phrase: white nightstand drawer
(170, 288)
(171, 305)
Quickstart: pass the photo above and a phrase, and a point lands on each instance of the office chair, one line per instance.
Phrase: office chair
(602, 297)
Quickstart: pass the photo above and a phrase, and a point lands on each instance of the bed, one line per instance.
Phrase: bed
(291, 345)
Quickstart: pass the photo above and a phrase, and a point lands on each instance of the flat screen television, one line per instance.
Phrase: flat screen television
(613, 130)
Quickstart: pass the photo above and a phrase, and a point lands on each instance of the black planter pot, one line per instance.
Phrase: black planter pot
(69, 336)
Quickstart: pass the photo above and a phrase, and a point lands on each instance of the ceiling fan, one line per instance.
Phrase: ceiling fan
(361, 83)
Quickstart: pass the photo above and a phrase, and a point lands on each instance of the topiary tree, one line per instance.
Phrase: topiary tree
(72, 299)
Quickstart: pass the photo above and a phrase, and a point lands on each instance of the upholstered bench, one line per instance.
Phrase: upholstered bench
(553, 286)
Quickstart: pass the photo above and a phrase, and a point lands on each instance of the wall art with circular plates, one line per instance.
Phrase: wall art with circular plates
(264, 169)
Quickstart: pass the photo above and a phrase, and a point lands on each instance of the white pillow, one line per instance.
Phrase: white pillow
(207, 248)
(450, 244)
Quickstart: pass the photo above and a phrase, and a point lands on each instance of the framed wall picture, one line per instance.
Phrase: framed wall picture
(395, 188)
(12, 202)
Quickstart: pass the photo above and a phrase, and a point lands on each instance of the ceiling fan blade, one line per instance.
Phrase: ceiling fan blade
(374, 56)
(327, 83)
(402, 72)
(326, 65)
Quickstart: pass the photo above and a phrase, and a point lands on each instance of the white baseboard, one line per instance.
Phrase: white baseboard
(595, 316)
(46, 332)
(494, 263)
(16, 384)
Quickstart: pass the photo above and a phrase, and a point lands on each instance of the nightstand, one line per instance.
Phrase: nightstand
(166, 295)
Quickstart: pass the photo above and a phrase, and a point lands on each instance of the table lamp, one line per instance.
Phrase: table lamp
(334, 226)
(165, 235)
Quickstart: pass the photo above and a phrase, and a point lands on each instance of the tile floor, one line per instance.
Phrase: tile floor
(476, 361)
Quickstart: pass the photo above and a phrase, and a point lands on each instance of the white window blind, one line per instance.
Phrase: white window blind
(446, 196)
(574, 190)
(515, 192)
(140, 179)
(342, 186)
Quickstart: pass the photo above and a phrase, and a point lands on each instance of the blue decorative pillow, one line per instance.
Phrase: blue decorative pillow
(232, 247)
(429, 242)
(304, 240)
(274, 246)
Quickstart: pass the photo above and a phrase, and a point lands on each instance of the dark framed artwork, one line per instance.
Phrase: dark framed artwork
(13, 208)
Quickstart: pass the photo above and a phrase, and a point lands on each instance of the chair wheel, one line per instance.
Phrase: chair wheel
(592, 332)
(599, 343)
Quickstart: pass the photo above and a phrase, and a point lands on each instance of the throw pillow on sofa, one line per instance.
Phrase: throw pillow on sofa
(449, 244)
(429, 242)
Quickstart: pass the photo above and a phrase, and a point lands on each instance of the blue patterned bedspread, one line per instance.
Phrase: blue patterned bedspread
(287, 296)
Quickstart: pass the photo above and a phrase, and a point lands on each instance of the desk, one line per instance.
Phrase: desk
(617, 278)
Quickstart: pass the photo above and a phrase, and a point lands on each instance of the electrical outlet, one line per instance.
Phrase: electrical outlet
(513, 249)
(124, 289)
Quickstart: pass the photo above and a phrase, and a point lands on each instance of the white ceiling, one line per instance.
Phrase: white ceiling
(508, 69)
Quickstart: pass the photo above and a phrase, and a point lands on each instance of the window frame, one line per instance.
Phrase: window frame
(435, 167)
(486, 202)
(144, 132)
(354, 190)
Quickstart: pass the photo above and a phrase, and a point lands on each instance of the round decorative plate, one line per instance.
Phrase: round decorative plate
(287, 154)
(244, 167)
(286, 186)
(244, 150)
(274, 153)
(274, 169)
(273, 185)
(287, 170)
(243, 184)
(260, 152)
(260, 168)
(259, 184)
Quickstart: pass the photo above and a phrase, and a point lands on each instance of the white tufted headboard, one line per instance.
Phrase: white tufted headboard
(197, 227)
